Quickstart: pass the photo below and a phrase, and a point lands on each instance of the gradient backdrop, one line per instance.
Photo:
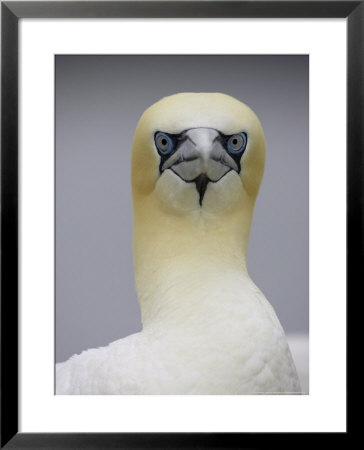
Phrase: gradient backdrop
(99, 100)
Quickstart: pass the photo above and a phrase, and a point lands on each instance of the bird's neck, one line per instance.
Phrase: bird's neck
(183, 261)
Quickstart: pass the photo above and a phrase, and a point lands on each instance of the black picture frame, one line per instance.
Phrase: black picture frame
(11, 12)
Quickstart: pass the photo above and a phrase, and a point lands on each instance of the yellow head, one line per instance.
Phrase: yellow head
(197, 164)
(198, 151)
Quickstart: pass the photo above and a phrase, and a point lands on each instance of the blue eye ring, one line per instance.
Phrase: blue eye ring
(163, 143)
(237, 143)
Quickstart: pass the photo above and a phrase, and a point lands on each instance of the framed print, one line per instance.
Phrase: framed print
(76, 77)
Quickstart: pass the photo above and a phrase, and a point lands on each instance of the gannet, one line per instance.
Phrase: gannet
(197, 164)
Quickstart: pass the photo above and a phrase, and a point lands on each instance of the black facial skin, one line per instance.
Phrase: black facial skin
(177, 140)
(223, 138)
(201, 183)
(202, 180)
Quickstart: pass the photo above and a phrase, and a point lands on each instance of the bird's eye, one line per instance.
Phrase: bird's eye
(237, 143)
(163, 143)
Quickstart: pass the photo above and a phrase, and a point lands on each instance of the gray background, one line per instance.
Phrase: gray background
(99, 100)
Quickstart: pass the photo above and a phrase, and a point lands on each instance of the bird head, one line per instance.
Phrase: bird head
(198, 152)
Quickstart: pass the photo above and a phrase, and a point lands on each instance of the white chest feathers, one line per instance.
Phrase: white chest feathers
(239, 348)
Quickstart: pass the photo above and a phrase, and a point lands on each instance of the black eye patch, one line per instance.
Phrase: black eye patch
(227, 139)
(175, 140)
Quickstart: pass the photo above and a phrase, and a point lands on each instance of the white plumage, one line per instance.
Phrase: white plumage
(207, 329)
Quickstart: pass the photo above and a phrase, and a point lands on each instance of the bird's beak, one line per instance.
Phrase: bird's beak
(200, 158)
